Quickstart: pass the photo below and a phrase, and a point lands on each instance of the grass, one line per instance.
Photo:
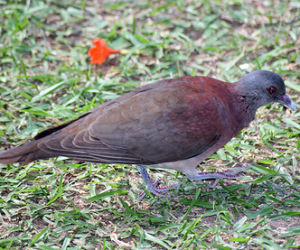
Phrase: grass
(46, 79)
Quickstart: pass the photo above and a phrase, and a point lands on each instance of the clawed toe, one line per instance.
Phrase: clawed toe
(159, 191)
(230, 174)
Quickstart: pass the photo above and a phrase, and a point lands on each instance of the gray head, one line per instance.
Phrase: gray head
(262, 87)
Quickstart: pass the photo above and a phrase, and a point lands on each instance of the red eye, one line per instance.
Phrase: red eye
(272, 90)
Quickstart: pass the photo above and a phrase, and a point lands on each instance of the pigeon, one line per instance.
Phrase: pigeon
(171, 123)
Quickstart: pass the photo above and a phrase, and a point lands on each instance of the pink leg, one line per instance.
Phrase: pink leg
(153, 187)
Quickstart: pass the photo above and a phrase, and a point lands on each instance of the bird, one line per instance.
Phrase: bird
(172, 123)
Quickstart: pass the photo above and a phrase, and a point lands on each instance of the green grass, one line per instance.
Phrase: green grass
(46, 79)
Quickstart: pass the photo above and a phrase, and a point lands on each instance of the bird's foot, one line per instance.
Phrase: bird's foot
(230, 174)
(153, 187)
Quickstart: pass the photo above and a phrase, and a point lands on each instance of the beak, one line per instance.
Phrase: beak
(286, 101)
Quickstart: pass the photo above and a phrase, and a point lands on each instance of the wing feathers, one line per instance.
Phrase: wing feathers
(84, 147)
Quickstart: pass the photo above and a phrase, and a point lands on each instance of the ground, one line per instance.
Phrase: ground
(46, 78)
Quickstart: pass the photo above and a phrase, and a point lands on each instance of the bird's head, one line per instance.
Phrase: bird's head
(264, 87)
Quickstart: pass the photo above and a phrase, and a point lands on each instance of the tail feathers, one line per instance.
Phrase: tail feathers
(25, 153)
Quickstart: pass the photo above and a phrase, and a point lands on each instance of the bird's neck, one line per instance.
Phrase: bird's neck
(248, 103)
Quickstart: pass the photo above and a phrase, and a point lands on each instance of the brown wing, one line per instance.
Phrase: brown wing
(162, 122)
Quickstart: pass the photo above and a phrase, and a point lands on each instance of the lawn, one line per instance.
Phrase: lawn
(46, 78)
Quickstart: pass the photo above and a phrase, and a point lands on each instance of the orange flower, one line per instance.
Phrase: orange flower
(100, 52)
